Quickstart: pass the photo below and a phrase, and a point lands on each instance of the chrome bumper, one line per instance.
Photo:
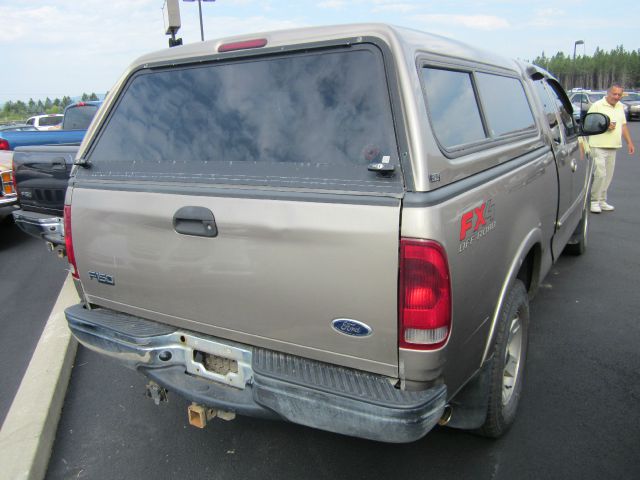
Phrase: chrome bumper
(41, 225)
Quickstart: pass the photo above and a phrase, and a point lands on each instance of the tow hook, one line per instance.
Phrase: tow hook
(199, 415)
(156, 393)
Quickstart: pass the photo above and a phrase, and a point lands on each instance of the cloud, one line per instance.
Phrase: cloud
(395, 7)
(333, 4)
(548, 17)
(479, 22)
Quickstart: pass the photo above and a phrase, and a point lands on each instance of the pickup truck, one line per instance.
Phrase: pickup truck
(339, 226)
(41, 177)
(76, 119)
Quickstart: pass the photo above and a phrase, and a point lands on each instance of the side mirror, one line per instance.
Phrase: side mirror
(595, 124)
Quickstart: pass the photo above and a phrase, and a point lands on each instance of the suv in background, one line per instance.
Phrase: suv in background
(46, 122)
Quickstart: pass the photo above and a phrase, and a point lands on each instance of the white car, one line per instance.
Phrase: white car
(52, 121)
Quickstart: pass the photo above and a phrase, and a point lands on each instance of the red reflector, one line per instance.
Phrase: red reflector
(68, 242)
(229, 47)
(13, 177)
(4, 145)
(424, 295)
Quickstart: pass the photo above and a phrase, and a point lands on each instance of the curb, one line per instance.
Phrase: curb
(29, 430)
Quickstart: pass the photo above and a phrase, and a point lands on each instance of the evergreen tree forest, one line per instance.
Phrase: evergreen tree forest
(19, 110)
(595, 72)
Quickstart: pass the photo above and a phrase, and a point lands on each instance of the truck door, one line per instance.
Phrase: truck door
(571, 165)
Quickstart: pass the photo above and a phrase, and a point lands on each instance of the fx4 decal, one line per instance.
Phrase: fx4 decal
(476, 223)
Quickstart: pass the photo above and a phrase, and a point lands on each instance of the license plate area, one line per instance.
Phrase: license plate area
(218, 362)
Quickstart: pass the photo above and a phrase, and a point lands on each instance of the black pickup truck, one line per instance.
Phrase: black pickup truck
(41, 177)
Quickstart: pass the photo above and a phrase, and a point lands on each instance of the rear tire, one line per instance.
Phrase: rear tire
(509, 354)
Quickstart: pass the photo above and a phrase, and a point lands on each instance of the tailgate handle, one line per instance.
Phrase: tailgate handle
(197, 221)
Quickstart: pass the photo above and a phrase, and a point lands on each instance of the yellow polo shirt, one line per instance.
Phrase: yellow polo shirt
(610, 138)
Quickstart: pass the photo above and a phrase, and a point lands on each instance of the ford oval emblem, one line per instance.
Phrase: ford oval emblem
(350, 327)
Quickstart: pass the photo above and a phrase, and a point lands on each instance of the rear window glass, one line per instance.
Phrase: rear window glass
(303, 120)
(79, 118)
(48, 121)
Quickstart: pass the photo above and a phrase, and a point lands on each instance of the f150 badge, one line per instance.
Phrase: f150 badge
(350, 327)
(476, 223)
(102, 278)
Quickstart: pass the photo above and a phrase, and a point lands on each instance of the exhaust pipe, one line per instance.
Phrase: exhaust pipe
(447, 413)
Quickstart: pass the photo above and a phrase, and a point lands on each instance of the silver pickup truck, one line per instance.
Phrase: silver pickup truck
(341, 227)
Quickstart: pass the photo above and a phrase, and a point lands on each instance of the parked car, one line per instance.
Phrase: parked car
(632, 101)
(304, 225)
(17, 127)
(78, 116)
(582, 101)
(46, 122)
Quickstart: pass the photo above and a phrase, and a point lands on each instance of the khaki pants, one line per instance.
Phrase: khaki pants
(604, 160)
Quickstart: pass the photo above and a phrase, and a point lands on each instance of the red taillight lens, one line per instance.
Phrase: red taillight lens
(4, 145)
(424, 295)
(68, 242)
(230, 47)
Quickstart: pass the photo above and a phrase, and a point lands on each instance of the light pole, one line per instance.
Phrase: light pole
(576, 43)
(200, 12)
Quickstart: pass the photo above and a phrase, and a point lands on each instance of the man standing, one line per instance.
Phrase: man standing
(605, 146)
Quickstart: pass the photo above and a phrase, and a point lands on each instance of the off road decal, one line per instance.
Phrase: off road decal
(476, 223)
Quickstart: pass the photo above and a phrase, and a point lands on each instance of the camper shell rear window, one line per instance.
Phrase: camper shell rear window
(301, 120)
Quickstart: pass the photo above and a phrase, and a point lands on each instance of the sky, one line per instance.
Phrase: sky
(52, 48)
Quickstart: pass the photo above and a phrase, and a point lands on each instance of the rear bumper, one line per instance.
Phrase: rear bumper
(264, 383)
(8, 200)
(41, 225)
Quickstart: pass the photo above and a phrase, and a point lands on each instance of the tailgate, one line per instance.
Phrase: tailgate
(42, 175)
(277, 275)
(257, 200)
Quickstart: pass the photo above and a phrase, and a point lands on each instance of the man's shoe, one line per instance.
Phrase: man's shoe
(595, 207)
(605, 207)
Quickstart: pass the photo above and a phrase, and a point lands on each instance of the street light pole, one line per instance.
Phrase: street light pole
(200, 13)
(576, 43)
(202, 28)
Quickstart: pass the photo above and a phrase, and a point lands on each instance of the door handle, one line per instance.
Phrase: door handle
(196, 221)
(58, 163)
(574, 165)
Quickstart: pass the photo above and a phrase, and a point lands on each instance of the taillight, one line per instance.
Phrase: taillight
(4, 145)
(424, 295)
(68, 242)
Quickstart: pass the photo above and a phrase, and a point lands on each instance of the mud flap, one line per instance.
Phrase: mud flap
(469, 406)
